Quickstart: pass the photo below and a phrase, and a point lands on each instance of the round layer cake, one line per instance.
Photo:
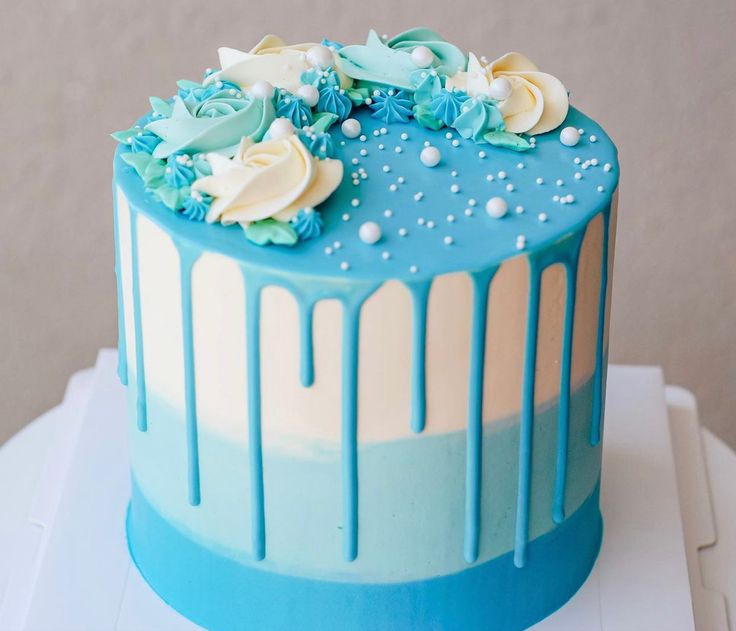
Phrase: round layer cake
(363, 323)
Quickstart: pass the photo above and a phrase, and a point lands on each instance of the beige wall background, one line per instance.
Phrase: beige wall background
(659, 75)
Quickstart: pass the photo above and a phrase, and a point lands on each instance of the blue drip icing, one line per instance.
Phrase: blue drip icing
(349, 451)
(306, 361)
(255, 447)
(474, 463)
(571, 273)
(597, 420)
(122, 346)
(566, 252)
(140, 375)
(420, 299)
(187, 259)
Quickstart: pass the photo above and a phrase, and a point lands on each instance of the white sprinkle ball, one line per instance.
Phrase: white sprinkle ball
(520, 165)
(418, 196)
(364, 152)
(320, 56)
(261, 89)
(520, 242)
(386, 255)
(430, 224)
(403, 232)
(355, 161)
(337, 245)
(581, 131)
(344, 266)
(451, 218)
(448, 135)
(413, 269)
(346, 216)
(519, 210)
(540, 180)
(454, 188)
(600, 189)
(542, 217)
(381, 146)
(310, 95)
(350, 127)
(355, 202)
(593, 138)
(472, 202)
(502, 175)
(468, 212)
(369, 232)
(569, 136)
(453, 173)
(398, 149)
(559, 182)
(607, 167)
(400, 179)
(386, 168)
(427, 143)
(422, 57)
(456, 143)
(376, 133)
(594, 162)
(489, 177)
(578, 176)
(570, 198)
(481, 154)
(509, 187)
(363, 138)
(496, 207)
(281, 128)
(420, 221)
(576, 160)
(500, 89)
(392, 188)
(384, 131)
(555, 198)
(404, 136)
(328, 250)
(448, 240)
(430, 156)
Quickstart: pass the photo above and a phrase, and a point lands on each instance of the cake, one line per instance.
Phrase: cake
(363, 294)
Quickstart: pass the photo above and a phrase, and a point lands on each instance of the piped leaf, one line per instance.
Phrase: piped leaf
(271, 231)
(507, 140)
(161, 107)
(323, 121)
(139, 161)
(125, 136)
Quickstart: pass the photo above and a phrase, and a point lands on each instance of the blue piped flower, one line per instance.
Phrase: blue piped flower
(320, 78)
(319, 143)
(292, 107)
(392, 106)
(144, 142)
(179, 170)
(196, 206)
(190, 91)
(335, 101)
(307, 224)
(446, 106)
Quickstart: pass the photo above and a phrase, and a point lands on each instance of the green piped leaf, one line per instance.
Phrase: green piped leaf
(124, 136)
(357, 95)
(425, 117)
(161, 107)
(168, 195)
(271, 231)
(185, 84)
(139, 161)
(507, 140)
(323, 121)
(153, 174)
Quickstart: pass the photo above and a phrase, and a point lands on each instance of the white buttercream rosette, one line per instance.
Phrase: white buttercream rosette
(538, 101)
(271, 179)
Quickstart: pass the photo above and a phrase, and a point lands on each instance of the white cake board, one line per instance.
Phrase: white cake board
(64, 562)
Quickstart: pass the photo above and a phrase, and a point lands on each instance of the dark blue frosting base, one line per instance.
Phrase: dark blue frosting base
(492, 595)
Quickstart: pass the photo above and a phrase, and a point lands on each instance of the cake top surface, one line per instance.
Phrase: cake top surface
(401, 158)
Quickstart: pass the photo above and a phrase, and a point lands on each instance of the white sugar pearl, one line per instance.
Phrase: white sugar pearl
(320, 56)
(578, 176)
(364, 152)
(351, 128)
(607, 167)
(481, 154)
(370, 232)
(509, 187)
(489, 178)
(559, 182)
(497, 207)
(337, 245)
(576, 160)
(593, 138)
(542, 217)
(422, 57)
(404, 136)
(385, 255)
(400, 180)
(451, 218)
(388, 213)
(519, 210)
(392, 188)
(455, 143)
(346, 216)
(281, 128)
(384, 131)
(520, 165)
(261, 90)
(569, 136)
(328, 250)
(403, 232)
(309, 94)
(430, 224)
(398, 149)
(502, 175)
(600, 189)
(594, 162)
(355, 203)
(448, 240)
(454, 188)
(500, 89)
(344, 266)
(420, 221)
(570, 198)
(386, 168)
(448, 135)
(413, 269)
(540, 180)
(468, 212)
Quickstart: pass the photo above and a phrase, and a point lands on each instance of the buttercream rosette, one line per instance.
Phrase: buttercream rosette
(272, 60)
(538, 102)
(273, 179)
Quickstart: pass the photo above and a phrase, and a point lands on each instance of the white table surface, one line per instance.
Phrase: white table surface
(64, 484)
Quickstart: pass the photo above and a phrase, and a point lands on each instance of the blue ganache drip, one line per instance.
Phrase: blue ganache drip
(334, 100)
(292, 107)
(319, 143)
(195, 206)
(447, 104)
(179, 170)
(392, 106)
(308, 223)
(144, 142)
